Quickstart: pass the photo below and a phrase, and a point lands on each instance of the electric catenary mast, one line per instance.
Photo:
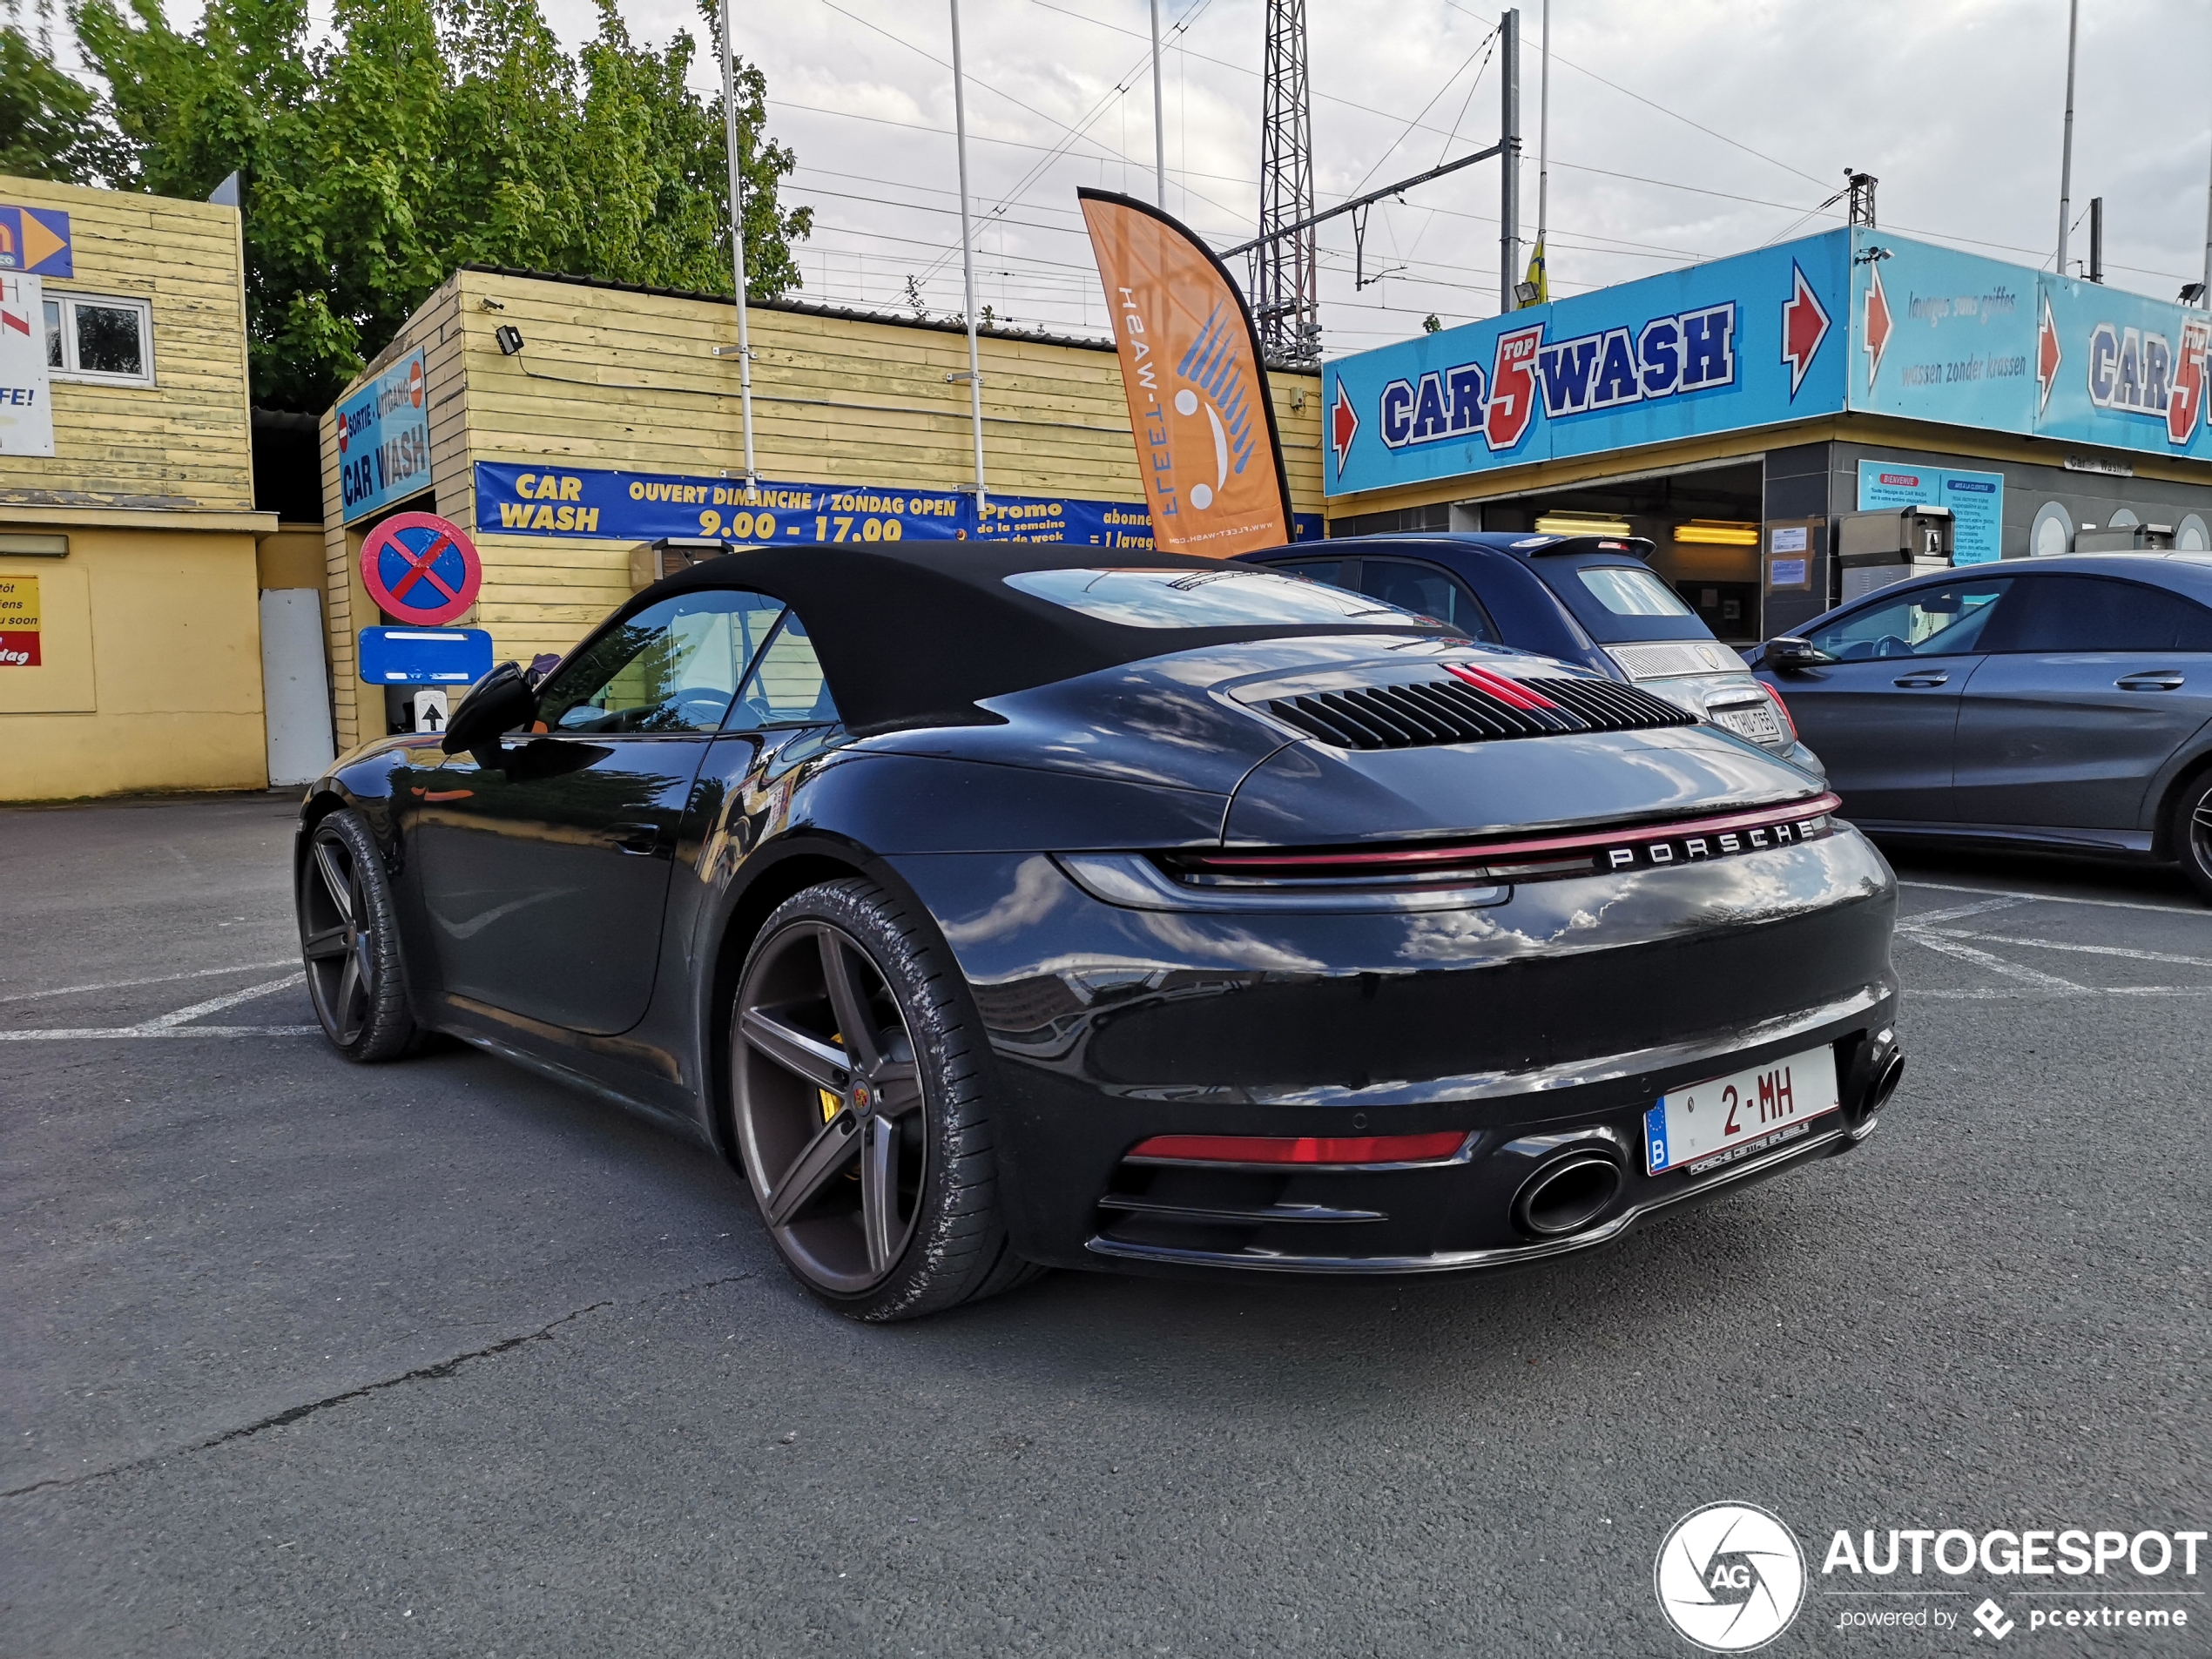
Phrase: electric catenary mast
(1286, 288)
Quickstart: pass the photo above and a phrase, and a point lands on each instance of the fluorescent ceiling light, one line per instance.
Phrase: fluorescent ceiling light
(1719, 532)
(1582, 524)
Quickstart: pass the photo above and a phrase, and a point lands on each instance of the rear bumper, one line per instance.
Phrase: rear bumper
(1461, 1219)
(1542, 1028)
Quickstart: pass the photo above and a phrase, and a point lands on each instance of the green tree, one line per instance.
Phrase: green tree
(428, 134)
(50, 127)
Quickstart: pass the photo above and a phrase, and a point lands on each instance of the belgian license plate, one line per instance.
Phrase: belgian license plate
(1714, 1123)
(1752, 720)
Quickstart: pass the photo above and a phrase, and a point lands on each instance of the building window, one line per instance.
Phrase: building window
(90, 337)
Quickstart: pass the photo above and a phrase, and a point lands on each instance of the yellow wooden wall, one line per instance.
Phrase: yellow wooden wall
(152, 678)
(185, 440)
(616, 379)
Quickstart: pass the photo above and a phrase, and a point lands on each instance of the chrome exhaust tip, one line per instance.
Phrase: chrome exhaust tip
(1567, 1194)
(1884, 1086)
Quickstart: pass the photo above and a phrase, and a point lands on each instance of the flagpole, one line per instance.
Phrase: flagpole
(2065, 152)
(1544, 148)
(737, 243)
(1159, 113)
(968, 266)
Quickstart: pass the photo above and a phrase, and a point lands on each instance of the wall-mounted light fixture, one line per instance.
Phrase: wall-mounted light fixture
(509, 338)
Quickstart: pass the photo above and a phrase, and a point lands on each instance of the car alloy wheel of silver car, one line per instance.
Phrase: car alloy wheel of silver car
(2192, 836)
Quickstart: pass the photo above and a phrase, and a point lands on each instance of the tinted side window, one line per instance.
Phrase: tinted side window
(1430, 591)
(1328, 570)
(786, 686)
(672, 667)
(2063, 613)
(1945, 621)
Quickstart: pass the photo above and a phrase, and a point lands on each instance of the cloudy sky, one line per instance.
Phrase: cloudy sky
(1679, 131)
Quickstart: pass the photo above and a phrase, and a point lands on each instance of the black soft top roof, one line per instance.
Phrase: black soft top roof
(917, 634)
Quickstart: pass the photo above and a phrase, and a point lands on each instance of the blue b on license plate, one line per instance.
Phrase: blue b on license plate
(1722, 1119)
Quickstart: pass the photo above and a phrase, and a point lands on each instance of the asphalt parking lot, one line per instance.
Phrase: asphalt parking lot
(439, 1358)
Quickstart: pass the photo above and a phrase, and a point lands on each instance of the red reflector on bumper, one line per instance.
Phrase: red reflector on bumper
(1301, 1149)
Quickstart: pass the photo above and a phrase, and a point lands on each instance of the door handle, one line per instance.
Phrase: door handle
(1924, 680)
(635, 837)
(2165, 680)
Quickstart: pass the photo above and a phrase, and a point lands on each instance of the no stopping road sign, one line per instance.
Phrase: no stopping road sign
(421, 568)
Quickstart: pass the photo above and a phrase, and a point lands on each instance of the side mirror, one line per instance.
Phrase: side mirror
(498, 703)
(1786, 654)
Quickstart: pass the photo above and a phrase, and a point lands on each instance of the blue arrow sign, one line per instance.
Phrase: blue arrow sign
(425, 656)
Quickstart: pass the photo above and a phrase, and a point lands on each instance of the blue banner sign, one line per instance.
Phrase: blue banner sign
(2122, 371)
(1742, 342)
(1857, 320)
(1976, 501)
(591, 503)
(384, 439)
(425, 656)
(1939, 335)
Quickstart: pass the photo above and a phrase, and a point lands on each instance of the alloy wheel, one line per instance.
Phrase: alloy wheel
(335, 929)
(830, 1107)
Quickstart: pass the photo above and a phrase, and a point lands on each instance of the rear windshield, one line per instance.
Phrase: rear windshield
(1631, 593)
(1618, 603)
(1236, 596)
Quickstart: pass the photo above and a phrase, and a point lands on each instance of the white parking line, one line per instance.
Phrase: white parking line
(1955, 913)
(91, 1032)
(2060, 898)
(1994, 964)
(2005, 993)
(128, 984)
(175, 1025)
(2086, 950)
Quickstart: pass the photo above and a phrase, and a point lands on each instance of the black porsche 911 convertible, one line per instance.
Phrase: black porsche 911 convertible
(1000, 908)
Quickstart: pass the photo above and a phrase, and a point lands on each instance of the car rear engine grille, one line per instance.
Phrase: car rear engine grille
(1474, 706)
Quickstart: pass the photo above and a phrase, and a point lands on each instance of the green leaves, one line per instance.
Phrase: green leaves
(428, 134)
(49, 127)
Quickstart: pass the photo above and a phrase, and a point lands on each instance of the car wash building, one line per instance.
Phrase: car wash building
(1740, 413)
(589, 437)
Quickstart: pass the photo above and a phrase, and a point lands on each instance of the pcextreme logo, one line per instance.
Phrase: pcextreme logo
(1730, 1577)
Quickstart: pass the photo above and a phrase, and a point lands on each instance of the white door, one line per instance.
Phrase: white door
(295, 692)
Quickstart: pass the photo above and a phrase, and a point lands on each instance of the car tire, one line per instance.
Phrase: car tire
(349, 942)
(2190, 832)
(873, 1161)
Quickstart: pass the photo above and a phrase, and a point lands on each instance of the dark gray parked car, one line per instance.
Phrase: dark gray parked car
(2064, 703)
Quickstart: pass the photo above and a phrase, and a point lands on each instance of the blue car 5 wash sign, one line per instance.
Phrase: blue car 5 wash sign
(384, 439)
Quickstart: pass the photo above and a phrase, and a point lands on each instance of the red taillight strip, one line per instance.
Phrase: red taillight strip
(1781, 708)
(1506, 690)
(1300, 1149)
(1486, 852)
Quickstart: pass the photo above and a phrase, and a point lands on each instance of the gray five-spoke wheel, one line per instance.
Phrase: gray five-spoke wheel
(2194, 836)
(831, 1111)
(335, 938)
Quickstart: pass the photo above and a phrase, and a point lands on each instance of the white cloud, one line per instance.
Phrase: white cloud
(1954, 103)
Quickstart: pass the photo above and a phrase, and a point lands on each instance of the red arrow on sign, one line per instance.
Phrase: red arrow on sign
(1344, 426)
(1804, 324)
(2047, 356)
(1879, 324)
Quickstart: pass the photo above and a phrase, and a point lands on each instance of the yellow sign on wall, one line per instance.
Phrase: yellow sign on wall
(18, 622)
